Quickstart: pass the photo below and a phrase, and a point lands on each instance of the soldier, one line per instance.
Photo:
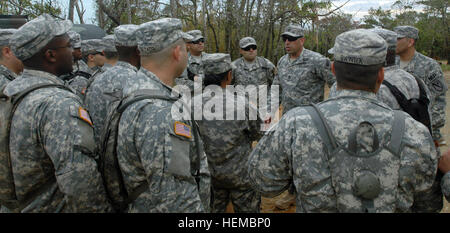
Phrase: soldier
(92, 51)
(107, 88)
(155, 146)
(194, 69)
(110, 51)
(344, 166)
(301, 77)
(251, 69)
(444, 167)
(51, 133)
(10, 66)
(425, 69)
(228, 143)
(75, 40)
(301, 73)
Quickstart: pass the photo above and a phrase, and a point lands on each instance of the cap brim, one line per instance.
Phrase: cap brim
(331, 51)
(186, 36)
(248, 44)
(290, 34)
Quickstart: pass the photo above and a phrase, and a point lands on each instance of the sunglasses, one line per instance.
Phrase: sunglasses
(290, 38)
(198, 41)
(254, 47)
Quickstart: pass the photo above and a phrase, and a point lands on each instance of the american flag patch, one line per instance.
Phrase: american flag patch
(84, 115)
(182, 129)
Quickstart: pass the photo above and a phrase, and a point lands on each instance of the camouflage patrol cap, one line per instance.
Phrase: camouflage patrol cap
(294, 30)
(246, 41)
(154, 36)
(216, 63)
(407, 31)
(389, 36)
(91, 46)
(196, 34)
(36, 34)
(125, 35)
(360, 47)
(109, 44)
(75, 39)
(5, 34)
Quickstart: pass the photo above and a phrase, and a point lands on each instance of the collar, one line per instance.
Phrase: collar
(126, 65)
(159, 84)
(8, 73)
(41, 74)
(355, 93)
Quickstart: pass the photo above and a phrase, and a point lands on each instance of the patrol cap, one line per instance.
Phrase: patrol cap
(216, 63)
(5, 34)
(109, 44)
(75, 39)
(91, 46)
(246, 41)
(36, 34)
(407, 31)
(154, 36)
(125, 35)
(360, 47)
(389, 36)
(196, 34)
(293, 30)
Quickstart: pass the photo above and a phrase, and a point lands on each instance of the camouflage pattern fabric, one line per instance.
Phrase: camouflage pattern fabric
(429, 71)
(303, 81)
(246, 41)
(5, 35)
(293, 153)
(294, 30)
(36, 34)
(105, 90)
(6, 76)
(79, 84)
(51, 137)
(261, 72)
(407, 31)
(75, 39)
(81, 66)
(445, 185)
(196, 34)
(228, 144)
(150, 145)
(125, 35)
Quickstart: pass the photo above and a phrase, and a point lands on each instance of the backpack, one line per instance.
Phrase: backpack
(108, 161)
(358, 179)
(8, 106)
(416, 108)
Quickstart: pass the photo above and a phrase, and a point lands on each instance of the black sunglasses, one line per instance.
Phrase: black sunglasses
(254, 47)
(198, 41)
(290, 38)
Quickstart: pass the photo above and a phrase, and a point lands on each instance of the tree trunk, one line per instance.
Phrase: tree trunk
(71, 9)
(80, 12)
(129, 13)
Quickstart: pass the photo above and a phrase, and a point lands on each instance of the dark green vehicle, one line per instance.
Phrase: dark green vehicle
(13, 21)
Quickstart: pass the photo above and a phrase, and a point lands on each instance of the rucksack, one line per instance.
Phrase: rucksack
(108, 161)
(416, 108)
(8, 106)
(357, 178)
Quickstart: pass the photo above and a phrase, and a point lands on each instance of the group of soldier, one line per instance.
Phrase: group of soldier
(372, 159)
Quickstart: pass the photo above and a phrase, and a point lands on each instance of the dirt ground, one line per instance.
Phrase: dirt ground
(268, 204)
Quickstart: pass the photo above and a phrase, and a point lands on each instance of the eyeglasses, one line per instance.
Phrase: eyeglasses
(290, 38)
(198, 41)
(254, 47)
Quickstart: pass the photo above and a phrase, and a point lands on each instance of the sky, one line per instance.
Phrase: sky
(358, 8)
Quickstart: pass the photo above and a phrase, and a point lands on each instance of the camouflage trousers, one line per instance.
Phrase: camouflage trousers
(243, 200)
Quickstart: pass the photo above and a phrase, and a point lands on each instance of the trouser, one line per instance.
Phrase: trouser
(243, 200)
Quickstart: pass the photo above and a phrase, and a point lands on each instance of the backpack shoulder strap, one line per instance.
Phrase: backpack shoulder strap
(141, 95)
(398, 130)
(22, 94)
(401, 99)
(323, 127)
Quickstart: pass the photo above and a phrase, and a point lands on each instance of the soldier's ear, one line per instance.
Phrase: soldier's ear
(50, 55)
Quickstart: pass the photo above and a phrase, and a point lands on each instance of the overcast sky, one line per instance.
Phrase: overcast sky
(358, 8)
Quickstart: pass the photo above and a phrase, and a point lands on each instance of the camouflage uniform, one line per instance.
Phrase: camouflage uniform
(429, 71)
(80, 83)
(107, 88)
(445, 184)
(109, 44)
(293, 153)
(51, 140)
(6, 75)
(228, 144)
(302, 81)
(75, 40)
(150, 147)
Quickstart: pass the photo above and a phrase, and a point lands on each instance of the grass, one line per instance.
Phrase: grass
(445, 67)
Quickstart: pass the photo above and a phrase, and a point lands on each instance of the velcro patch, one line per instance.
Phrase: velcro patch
(182, 129)
(83, 114)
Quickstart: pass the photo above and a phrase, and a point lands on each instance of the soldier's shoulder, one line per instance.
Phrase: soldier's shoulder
(235, 63)
(266, 62)
(421, 58)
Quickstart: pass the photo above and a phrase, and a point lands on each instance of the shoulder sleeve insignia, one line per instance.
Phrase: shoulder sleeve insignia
(84, 115)
(182, 129)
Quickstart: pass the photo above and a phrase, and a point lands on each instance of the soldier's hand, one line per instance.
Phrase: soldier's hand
(444, 162)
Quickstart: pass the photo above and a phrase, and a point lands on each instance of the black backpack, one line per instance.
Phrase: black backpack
(8, 106)
(416, 108)
(108, 162)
